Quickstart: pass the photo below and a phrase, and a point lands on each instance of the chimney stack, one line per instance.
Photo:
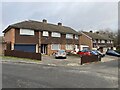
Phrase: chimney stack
(59, 24)
(91, 31)
(97, 32)
(44, 21)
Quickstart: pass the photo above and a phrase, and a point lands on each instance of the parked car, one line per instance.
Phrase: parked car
(97, 52)
(84, 52)
(61, 54)
(112, 53)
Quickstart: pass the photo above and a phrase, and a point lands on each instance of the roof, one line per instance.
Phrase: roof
(97, 36)
(40, 26)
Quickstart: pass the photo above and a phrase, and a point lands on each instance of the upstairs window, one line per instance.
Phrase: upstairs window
(45, 33)
(76, 36)
(69, 36)
(108, 41)
(55, 34)
(102, 41)
(94, 41)
(26, 32)
(98, 41)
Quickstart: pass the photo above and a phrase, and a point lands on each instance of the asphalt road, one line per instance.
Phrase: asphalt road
(99, 75)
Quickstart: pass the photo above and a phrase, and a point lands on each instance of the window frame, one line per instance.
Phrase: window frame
(69, 47)
(53, 34)
(44, 35)
(76, 37)
(68, 36)
(25, 32)
(59, 46)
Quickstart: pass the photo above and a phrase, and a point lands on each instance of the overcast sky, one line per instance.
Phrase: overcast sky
(78, 15)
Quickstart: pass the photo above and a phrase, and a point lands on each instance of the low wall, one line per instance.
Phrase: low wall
(21, 54)
(91, 58)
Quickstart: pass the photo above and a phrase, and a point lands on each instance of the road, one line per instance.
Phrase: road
(95, 75)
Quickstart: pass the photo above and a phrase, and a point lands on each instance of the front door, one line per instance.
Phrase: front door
(44, 48)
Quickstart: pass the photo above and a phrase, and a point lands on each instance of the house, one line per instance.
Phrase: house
(41, 37)
(95, 40)
(2, 45)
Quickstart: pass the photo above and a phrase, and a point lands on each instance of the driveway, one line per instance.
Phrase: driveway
(70, 61)
(50, 60)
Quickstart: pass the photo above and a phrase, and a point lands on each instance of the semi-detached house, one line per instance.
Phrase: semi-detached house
(41, 37)
(95, 40)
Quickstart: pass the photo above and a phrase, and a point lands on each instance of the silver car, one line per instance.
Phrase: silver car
(60, 54)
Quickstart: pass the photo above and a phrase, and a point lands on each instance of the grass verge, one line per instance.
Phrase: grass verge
(16, 58)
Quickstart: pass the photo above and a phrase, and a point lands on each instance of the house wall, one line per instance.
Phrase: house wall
(10, 36)
(25, 39)
(57, 40)
(84, 40)
(14, 37)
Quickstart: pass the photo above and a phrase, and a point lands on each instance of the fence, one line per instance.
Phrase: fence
(21, 54)
(91, 58)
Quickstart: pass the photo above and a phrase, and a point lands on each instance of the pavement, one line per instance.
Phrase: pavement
(50, 60)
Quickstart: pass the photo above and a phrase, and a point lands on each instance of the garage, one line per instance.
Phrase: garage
(25, 47)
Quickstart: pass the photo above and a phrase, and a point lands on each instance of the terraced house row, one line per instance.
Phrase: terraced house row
(43, 37)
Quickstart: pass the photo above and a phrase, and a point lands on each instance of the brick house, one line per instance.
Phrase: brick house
(41, 37)
(95, 40)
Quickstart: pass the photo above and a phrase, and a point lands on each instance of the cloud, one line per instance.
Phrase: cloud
(78, 15)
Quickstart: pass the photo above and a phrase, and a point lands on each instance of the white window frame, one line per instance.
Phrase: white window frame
(98, 41)
(59, 46)
(27, 32)
(111, 41)
(102, 41)
(69, 36)
(108, 41)
(69, 47)
(55, 34)
(76, 36)
(94, 41)
(45, 33)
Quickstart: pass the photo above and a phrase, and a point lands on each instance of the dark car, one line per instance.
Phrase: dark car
(96, 52)
(112, 53)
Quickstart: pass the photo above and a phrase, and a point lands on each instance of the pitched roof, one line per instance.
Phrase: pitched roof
(97, 36)
(35, 25)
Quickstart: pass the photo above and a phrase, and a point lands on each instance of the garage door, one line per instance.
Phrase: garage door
(25, 47)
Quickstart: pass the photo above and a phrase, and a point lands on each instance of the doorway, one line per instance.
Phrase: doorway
(44, 48)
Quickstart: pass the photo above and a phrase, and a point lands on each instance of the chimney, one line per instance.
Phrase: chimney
(59, 24)
(44, 21)
(97, 32)
(91, 31)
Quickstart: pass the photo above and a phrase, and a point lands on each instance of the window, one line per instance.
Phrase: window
(26, 32)
(45, 33)
(98, 41)
(69, 47)
(56, 34)
(111, 41)
(102, 41)
(70, 36)
(76, 36)
(94, 41)
(55, 47)
(108, 41)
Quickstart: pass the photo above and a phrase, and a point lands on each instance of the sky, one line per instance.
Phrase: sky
(77, 15)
